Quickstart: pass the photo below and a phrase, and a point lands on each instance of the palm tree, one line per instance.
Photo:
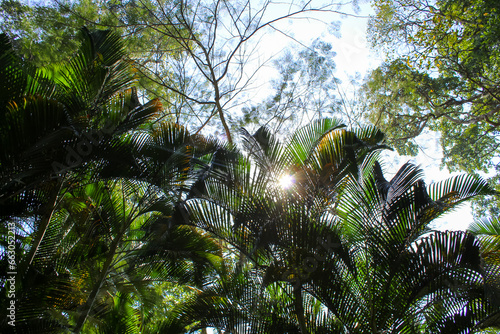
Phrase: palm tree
(347, 250)
(112, 244)
(416, 279)
(96, 264)
(92, 187)
(487, 232)
(58, 123)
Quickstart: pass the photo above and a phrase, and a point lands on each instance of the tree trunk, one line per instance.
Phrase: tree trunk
(97, 287)
(299, 309)
(42, 228)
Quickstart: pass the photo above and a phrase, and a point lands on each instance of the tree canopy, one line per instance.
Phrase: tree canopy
(198, 57)
(119, 215)
(441, 75)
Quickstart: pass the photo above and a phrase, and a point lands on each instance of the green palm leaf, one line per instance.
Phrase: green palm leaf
(306, 139)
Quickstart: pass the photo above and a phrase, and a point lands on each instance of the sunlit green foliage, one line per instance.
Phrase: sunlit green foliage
(89, 185)
(442, 74)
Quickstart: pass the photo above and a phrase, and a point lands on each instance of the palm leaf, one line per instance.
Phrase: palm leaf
(457, 189)
(307, 138)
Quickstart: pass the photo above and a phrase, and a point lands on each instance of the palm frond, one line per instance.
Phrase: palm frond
(307, 138)
(269, 155)
(459, 188)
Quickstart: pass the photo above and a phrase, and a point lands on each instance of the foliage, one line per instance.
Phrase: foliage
(441, 74)
(65, 118)
(197, 56)
(40, 40)
(488, 234)
(345, 249)
(44, 32)
(126, 222)
(84, 184)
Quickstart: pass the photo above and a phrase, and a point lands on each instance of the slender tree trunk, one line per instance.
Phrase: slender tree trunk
(299, 309)
(224, 123)
(42, 228)
(97, 287)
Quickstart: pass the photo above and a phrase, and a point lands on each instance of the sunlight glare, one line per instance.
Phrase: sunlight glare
(286, 181)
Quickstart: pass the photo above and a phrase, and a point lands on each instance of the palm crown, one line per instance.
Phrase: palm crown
(341, 249)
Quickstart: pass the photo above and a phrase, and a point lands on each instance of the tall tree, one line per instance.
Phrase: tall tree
(198, 56)
(440, 75)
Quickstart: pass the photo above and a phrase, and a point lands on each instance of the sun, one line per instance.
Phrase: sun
(286, 181)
